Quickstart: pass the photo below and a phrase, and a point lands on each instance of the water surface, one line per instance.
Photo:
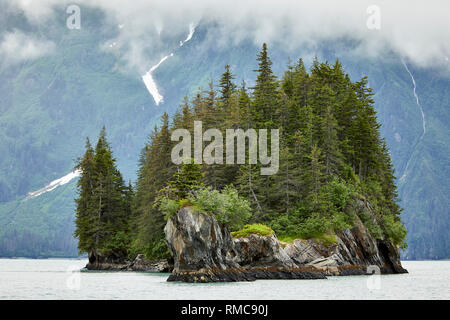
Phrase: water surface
(60, 279)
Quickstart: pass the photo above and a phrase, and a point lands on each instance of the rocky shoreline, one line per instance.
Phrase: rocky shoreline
(204, 251)
(242, 274)
(139, 264)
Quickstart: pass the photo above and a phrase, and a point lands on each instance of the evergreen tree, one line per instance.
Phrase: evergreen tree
(227, 89)
(102, 210)
(265, 92)
(85, 215)
(154, 172)
(330, 150)
(188, 178)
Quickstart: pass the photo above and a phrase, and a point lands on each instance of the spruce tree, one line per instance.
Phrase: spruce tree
(102, 212)
(330, 151)
(227, 89)
(154, 173)
(188, 178)
(85, 221)
(265, 92)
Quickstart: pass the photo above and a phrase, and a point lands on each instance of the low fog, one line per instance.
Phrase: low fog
(418, 31)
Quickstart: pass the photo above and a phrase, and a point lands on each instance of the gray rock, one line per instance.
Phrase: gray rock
(204, 251)
(111, 262)
(302, 251)
(261, 251)
(197, 242)
(116, 263)
(355, 250)
(144, 265)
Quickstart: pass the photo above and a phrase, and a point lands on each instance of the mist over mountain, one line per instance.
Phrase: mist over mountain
(59, 85)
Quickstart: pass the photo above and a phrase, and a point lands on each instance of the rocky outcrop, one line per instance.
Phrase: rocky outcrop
(303, 251)
(98, 261)
(354, 251)
(204, 251)
(144, 265)
(117, 263)
(256, 251)
(197, 241)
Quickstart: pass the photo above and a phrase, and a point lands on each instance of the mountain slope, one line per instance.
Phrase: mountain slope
(49, 105)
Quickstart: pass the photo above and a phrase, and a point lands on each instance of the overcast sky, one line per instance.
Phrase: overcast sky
(417, 30)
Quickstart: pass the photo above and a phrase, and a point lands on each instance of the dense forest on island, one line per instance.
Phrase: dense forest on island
(331, 156)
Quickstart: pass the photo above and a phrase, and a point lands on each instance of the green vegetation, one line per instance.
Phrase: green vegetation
(184, 190)
(104, 203)
(333, 165)
(256, 228)
(227, 206)
(47, 104)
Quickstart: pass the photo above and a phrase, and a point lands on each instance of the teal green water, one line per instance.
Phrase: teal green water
(60, 279)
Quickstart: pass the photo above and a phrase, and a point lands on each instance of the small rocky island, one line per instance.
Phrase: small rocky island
(204, 251)
(329, 207)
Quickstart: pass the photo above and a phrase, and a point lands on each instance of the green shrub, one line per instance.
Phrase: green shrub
(395, 230)
(315, 225)
(302, 224)
(341, 220)
(285, 224)
(249, 229)
(169, 207)
(184, 203)
(209, 201)
(226, 206)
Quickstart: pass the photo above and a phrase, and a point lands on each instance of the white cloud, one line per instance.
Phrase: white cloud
(17, 46)
(416, 30)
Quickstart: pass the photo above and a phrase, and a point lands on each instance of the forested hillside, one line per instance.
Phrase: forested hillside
(331, 156)
(47, 103)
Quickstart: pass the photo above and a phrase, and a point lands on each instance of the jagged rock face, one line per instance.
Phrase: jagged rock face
(357, 247)
(261, 251)
(355, 250)
(204, 251)
(391, 257)
(303, 251)
(97, 261)
(197, 241)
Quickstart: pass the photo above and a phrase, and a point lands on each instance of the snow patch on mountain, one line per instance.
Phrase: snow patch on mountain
(54, 184)
(151, 84)
(148, 79)
(189, 36)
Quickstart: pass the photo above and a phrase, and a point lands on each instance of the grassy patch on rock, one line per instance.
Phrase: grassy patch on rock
(325, 239)
(249, 229)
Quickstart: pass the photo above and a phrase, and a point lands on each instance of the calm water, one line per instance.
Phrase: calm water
(59, 279)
